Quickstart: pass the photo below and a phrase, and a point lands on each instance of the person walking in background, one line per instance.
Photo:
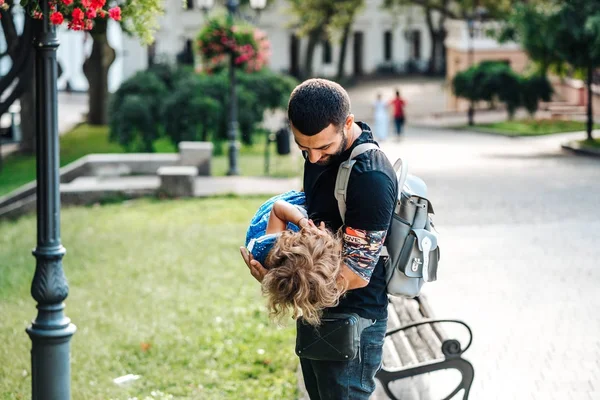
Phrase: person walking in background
(381, 117)
(398, 103)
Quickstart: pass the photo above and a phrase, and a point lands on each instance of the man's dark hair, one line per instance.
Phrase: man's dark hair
(316, 103)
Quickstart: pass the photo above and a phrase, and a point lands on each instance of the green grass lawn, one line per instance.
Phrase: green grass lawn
(594, 144)
(530, 127)
(157, 289)
(84, 139)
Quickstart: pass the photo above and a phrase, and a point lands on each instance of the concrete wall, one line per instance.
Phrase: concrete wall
(485, 48)
(76, 46)
(574, 91)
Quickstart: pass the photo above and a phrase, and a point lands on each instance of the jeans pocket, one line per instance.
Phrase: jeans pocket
(371, 362)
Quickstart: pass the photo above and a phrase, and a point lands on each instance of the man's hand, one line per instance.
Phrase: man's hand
(256, 269)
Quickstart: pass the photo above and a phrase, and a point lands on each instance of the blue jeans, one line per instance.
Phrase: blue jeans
(347, 380)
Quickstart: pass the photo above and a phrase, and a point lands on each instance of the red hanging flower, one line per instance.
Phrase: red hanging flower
(97, 4)
(217, 39)
(76, 14)
(115, 13)
(57, 18)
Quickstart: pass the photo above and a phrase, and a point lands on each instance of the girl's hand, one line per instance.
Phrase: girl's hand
(256, 269)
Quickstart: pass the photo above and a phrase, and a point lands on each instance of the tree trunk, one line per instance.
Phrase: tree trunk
(313, 39)
(343, 47)
(471, 114)
(15, 45)
(431, 67)
(95, 69)
(590, 99)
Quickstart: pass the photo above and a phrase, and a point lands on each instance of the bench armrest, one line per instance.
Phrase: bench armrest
(450, 347)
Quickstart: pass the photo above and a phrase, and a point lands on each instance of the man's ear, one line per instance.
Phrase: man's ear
(349, 122)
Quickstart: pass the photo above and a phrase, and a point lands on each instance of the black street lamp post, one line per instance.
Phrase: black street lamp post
(471, 56)
(51, 331)
(232, 129)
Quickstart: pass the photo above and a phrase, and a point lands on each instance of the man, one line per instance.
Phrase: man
(398, 103)
(325, 131)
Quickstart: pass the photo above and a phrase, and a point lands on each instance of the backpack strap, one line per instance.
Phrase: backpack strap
(343, 176)
(401, 168)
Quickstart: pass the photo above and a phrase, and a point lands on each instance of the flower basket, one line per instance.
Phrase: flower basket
(218, 40)
(77, 14)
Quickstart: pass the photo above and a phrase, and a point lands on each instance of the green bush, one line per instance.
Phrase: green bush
(509, 89)
(184, 105)
(463, 85)
(535, 88)
(135, 112)
(188, 114)
(170, 75)
(494, 80)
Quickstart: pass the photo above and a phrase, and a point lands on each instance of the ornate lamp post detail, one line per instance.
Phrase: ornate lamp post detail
(51, 331)
(232, 131)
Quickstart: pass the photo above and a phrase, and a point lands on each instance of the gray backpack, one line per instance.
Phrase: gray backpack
(411, 248)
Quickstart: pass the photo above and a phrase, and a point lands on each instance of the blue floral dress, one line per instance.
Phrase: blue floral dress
(258, 242)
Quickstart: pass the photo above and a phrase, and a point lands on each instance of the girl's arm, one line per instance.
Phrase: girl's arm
(282, 213)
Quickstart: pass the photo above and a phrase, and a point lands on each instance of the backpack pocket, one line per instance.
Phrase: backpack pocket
(420, 255)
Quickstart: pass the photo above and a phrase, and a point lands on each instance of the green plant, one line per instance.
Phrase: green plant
(509, 89)
(219, 38)
(135, 112)
(170, 74)
(534, 89)
(189, 114)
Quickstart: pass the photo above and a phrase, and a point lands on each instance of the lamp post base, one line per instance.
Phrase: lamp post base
(234, 149)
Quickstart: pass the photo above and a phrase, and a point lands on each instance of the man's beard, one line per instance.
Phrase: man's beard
(330, 159)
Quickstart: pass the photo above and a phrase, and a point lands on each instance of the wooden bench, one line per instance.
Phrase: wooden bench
(416, 344)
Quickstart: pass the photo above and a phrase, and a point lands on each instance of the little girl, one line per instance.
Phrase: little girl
(303, 261)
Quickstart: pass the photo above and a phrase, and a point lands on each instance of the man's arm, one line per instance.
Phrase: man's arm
(370, 204)
(360, 253)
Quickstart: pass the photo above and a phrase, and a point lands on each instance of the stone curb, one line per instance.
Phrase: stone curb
(577, 148)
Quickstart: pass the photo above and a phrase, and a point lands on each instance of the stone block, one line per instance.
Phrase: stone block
(196, 154)
(178, 181)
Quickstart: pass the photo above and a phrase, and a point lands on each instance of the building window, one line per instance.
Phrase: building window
(326, 52)
(387, 45)
(416, 45)
(186, 56)
(188, 4)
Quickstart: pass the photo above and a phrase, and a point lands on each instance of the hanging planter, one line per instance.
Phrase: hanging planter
(218, 40)
(76, 14)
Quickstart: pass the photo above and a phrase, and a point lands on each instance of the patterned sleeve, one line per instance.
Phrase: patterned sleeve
(361, 250)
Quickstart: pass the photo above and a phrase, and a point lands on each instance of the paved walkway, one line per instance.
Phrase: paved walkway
(520, 229)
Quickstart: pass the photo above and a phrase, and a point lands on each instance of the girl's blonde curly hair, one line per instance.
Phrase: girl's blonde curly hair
(304, 274)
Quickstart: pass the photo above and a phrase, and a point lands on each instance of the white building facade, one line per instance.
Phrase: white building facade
(378, 40)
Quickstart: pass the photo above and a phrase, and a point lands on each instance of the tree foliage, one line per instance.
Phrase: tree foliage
(323, 19)
(184, 105)
(556, 33)
(140, 18)
(491, 80)
(533, 26)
